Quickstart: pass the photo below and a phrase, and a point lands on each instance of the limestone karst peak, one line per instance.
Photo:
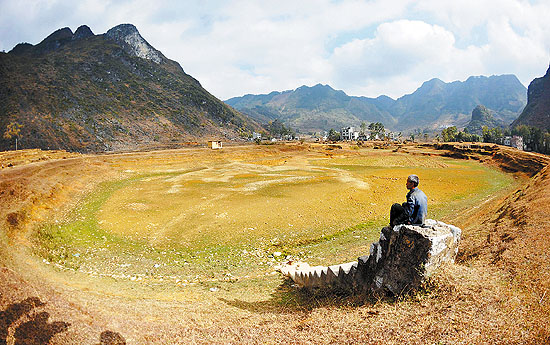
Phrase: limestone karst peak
(128, 36)
(83, 31)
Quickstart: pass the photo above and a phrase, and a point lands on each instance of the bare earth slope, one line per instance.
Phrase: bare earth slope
(497, 293)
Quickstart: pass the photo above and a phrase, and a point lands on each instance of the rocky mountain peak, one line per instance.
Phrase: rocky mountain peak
(57, 39)
(432, 86)
(128, 36)
(54, 41)
(83, 31)
(482, 116)
(120, 32)
(481, 113)
(58, 35)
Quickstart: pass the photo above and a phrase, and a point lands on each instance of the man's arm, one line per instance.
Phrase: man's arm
(409, 204)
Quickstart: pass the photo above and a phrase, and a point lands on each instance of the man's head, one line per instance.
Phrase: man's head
(412, 181)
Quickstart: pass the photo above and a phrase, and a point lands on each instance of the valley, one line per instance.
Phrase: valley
(157, 245)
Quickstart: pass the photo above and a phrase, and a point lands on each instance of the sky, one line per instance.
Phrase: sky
(365, 48)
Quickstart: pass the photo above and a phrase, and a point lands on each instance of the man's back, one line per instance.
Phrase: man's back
(416, 206)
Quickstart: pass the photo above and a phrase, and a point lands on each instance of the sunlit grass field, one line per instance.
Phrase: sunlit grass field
(219, 221)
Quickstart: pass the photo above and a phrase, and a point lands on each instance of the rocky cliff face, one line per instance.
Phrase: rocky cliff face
(85, 92)
(537, 110)
(128, 36)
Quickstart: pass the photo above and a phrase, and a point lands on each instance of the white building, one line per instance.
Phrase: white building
(517, 142)
(349, 133)
(215, 144)
(514, 141)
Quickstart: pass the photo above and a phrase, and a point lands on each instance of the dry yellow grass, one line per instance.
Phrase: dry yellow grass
(495, 294)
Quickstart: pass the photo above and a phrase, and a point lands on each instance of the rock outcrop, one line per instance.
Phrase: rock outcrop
(537, 110)
(481, 116)
(399, 262)
(129, 38)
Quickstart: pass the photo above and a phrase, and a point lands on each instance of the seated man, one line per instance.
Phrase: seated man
(413, 211)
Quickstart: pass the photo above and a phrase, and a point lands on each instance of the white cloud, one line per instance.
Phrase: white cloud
(364, 47)
(515, 33)
(401, 54)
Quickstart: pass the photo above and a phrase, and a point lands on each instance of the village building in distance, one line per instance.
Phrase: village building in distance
(215, 144)
(514, 141)
(351, 134)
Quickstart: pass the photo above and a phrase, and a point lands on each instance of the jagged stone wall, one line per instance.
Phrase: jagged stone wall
(400, 261)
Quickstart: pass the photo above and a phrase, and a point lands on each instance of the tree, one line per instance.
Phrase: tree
(377, 131)
(546, 143)
(449, 134)
(333, 135)
(492, 135)
(278, 129)
(12, 131)
(534, 138)
(363, 128)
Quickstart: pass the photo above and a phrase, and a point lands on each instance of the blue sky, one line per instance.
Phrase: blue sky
(365, 48)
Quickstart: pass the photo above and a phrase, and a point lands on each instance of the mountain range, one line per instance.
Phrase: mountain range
(85, 92)
(433, 106)
(113, 91)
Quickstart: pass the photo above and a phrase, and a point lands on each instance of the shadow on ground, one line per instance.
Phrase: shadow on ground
(37, 329)
(289, 299)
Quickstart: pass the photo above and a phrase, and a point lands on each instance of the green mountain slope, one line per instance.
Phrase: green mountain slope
(86, 92)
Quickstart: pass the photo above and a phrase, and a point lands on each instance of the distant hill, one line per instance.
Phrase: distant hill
(311, 109)
(481, 116)
(434, 105)
(537, 110)
(85, 92)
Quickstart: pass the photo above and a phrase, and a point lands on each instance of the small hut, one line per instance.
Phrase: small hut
(215, 144)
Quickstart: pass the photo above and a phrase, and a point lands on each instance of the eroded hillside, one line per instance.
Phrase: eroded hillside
(88, 93)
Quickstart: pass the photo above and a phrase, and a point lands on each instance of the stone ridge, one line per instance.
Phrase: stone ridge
(54, 41)
(131, 40)
(399, 262)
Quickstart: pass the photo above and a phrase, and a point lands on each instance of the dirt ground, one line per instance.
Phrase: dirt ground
(495, 293)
